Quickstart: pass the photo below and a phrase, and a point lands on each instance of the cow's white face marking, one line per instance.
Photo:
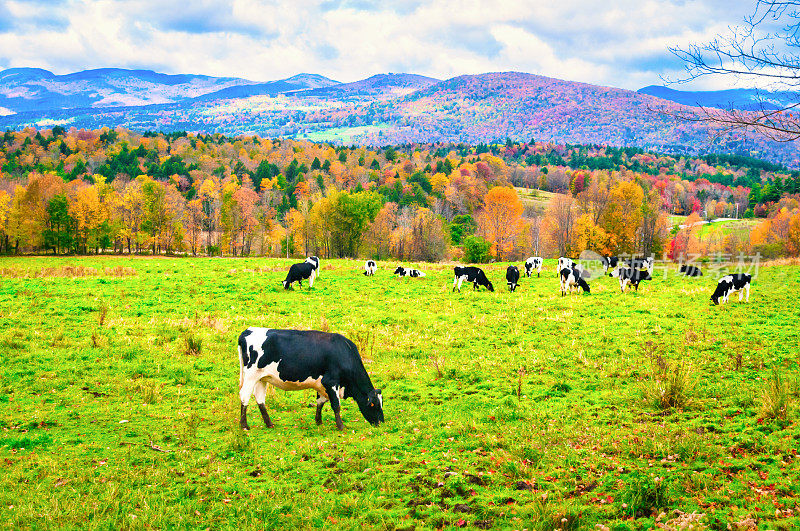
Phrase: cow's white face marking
(380, 400)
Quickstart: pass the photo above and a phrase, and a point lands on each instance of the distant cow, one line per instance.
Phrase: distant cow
(512, 277)
(534, 263)
(572, 278)
(690, 271)
(569, 263)
(641, 263)
(313, 260)
(630, 276)
(471, 274)
(304, 359)
(298, 273)
(730, 284)
(405, 272)
(565, 263)
(609, 262)
(370, 267)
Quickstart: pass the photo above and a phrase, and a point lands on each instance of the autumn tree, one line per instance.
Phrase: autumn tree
(559, 224)
(501, 219)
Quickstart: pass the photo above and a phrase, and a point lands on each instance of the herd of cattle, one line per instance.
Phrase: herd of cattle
(573, 276)
(330, 364)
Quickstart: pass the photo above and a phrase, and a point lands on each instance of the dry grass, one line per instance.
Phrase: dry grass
(67, 271)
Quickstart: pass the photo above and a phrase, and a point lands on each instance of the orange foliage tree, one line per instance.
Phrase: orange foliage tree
(501, 219)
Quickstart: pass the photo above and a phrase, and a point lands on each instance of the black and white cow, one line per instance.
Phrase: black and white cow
(370, 267)
(534, 263)
(314, 261)
(641, 263)
(512, 277)
(565, 263)
(471, 274)
(572, 278)
(630, 276)
(298, 273)
(690, 271)
(609, 262)
(406, 272)
(305, 359)
(730, 284)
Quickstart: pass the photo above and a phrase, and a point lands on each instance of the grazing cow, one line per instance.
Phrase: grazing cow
(730, 284)
(690, 271)
(298, 273)
(405, 272)
(609, 262)
(512, 277)
(565, 263)
(569, 263)
(534, 263)
(641, 263)
(314, 261)
(304, 359)
(370, 267)
(572, 278)
(471, 274)
(630, 276)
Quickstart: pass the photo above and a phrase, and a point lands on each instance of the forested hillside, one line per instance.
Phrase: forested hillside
(88, 191)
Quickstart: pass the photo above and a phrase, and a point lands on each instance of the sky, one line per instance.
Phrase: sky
(620, 43)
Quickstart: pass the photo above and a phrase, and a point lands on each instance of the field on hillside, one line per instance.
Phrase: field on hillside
(119, 409)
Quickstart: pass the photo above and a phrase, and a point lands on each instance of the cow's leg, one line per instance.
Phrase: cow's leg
(311, 278)
(261, 395)
(320, 403)
(244, 398)
(455, 281)
(747, 287)
(333, 398)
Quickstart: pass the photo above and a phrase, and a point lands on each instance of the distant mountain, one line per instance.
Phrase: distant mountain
(379, 110)
(35, 89)
(742, 99)
(378, 86)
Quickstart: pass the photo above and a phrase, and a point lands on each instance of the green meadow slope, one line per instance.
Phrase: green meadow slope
(118, 406)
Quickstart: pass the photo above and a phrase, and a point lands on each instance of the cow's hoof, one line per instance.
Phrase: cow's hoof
(270, 425)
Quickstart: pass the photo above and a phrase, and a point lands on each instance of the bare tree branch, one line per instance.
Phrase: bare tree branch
(761, 53)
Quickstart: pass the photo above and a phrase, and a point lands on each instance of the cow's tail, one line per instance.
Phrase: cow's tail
(241, 366)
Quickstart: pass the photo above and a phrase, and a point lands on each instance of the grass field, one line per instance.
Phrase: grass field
(118, 406)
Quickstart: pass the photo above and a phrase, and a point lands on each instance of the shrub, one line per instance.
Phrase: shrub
(476, 250)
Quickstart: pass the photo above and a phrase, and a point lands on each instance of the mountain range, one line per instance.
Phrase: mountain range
(384, 109)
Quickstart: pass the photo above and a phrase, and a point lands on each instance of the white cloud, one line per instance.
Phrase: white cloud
(618, 43)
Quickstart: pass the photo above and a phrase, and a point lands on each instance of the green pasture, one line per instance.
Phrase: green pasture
(119, 409)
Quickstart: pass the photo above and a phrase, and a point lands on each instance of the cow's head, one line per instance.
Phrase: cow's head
(372, 409)
(489, 286)
(285, 285)
(398, 270)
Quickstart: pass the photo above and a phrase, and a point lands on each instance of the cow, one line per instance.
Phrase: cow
(298, 273)
(512, 277)
(729, 284)
(534, 263)
(305, 359)
(370, 267)
(405, 272)
(565, 263)
(314, 261)
(609, 262)
(641, 263)
(690, 271)
(471, 274)
(630, 276)
(569, 263)
(572, 278)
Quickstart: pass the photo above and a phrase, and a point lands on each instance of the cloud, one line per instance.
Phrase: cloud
(618, 43)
